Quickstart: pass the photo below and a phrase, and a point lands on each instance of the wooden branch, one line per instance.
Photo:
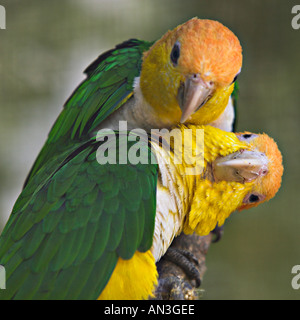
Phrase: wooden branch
(173, 282)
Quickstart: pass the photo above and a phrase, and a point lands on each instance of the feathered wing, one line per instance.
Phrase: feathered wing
(66, 234)
(234, 97)
(109, 84)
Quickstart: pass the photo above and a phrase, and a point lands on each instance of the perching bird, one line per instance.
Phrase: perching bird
(187, 76)
(92, 230)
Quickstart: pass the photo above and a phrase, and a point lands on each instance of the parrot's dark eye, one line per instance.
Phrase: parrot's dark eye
(247, 136)
(253, 198)
(175, 54)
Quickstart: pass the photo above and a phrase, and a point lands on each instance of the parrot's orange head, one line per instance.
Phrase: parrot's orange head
(191, 69)
(242, 170)
(256, 166)
(269, 176)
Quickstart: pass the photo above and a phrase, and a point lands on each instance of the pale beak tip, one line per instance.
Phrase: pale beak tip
(183, 118)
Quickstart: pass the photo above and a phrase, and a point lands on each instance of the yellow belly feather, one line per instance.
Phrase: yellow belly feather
(133, 279)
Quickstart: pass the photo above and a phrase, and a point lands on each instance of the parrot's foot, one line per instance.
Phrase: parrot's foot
(175, 288)
(218, 232)
(182, 267)
(186, 261)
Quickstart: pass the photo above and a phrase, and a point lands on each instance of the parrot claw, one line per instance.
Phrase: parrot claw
(218, 232)
(186, 261)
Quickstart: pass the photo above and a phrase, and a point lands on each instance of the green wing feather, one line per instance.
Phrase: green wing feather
(109, 84)
(65, 235)
(234, 97)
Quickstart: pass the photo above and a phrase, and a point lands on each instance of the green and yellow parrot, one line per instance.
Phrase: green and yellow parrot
(95, 231)
(187, 76)
(66, 210)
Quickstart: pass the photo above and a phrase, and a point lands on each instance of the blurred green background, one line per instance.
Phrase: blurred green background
(47, 45)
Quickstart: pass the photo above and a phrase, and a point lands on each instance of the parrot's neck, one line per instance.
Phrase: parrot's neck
(175, 193)
(139, 114)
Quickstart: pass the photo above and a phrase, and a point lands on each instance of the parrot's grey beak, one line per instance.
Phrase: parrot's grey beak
(242, 166)
(192, 95)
